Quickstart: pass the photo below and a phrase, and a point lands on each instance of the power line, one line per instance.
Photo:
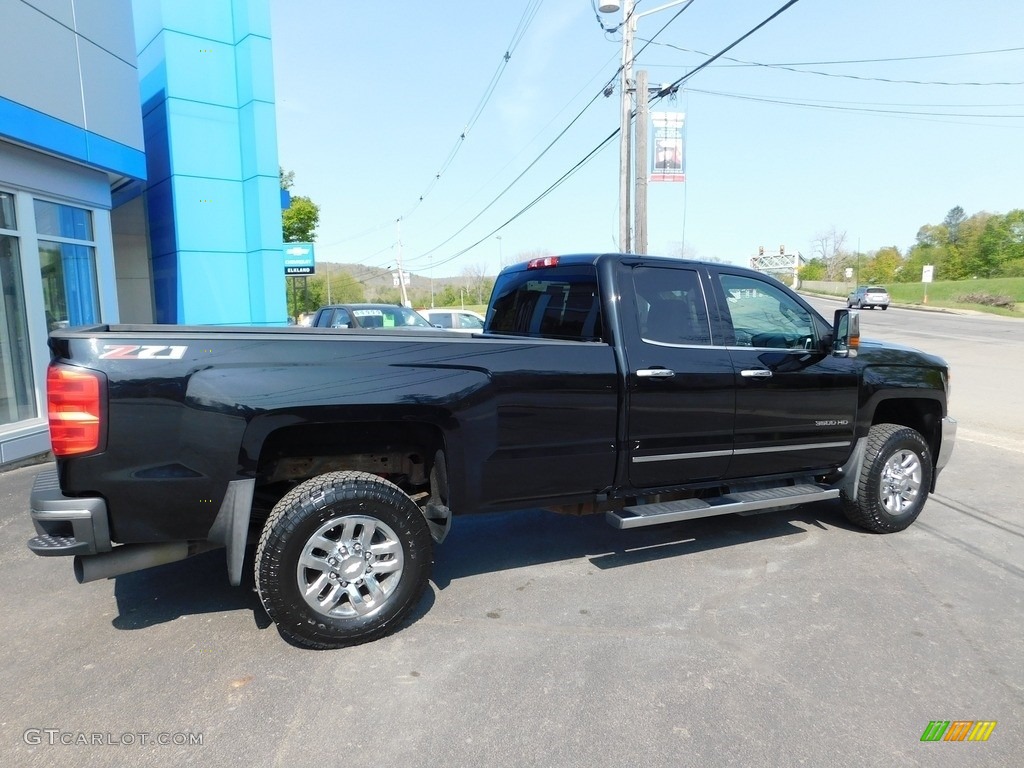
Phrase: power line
(544, 151)
(834, 106)
(665, 91)
(590, 155)
(793, 68)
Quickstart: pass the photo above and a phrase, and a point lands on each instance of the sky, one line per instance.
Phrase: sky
(417, 137)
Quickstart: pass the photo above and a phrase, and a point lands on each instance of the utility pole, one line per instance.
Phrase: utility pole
(626, 160)
(640, 165)
(401, 275)
(625, 127)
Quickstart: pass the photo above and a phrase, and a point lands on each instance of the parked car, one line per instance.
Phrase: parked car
(368, 316)
(464, 320)
(868, 297)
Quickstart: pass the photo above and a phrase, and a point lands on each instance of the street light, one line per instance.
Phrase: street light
(629, 20)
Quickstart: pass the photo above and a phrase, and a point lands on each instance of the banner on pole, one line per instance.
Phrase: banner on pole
(668, 152)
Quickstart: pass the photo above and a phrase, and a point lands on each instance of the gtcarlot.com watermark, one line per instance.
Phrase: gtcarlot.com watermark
(54, 737)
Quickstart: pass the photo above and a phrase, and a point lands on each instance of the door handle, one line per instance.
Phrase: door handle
(756, 373)
(655, 373)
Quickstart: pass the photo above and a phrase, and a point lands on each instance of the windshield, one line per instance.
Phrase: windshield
(388, 316)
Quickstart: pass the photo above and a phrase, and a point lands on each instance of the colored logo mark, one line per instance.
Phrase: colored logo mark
(958, 730)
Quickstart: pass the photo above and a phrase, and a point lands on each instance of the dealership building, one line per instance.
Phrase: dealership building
(138, 179)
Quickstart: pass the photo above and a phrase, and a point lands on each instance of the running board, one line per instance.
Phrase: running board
(742, 501)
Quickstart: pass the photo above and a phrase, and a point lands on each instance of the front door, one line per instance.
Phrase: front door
(796, 405)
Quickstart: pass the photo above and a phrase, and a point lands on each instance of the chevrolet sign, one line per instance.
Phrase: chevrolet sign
(299, 259)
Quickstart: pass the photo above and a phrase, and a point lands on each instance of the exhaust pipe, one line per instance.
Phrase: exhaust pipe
(134, 557)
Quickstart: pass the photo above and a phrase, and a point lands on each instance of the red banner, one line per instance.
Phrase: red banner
(668, 151)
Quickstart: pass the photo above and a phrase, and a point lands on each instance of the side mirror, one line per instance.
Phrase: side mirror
(846, 333)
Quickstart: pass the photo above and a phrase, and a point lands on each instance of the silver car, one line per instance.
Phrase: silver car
(868, 297)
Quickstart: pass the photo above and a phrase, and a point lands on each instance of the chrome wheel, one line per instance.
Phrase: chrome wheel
(894, 479)
(350, 567)
(900, 482)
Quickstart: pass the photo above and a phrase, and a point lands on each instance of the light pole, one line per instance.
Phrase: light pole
(629, 20)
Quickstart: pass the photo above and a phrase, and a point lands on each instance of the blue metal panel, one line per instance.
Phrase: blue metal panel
(268, 305)
(215, 288)
(250, 18)
(63, 139)
(262, 228)
(202, 18)
(255, 70)
(258, 137)
(205, 139)
(38, 130)
(200, 70)
(111, 156)
(212, 149)
(209, 215)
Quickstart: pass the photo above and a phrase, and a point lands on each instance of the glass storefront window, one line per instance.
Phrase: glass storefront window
(17, 393)
(7, 211)
(68, 269)
(63, 221)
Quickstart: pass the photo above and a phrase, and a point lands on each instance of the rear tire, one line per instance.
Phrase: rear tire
(343, 559)
(894, 480)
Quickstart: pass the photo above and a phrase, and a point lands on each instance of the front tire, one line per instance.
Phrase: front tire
(894, 480)
(343, 559)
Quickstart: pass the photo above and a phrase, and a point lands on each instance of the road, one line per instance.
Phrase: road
(986, 357)
(788, 638)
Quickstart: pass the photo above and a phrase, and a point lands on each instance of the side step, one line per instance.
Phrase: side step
(742, 501)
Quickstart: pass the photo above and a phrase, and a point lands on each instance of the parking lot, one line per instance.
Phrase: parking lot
(788, 638)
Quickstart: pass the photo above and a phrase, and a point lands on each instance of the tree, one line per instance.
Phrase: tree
(954, 218)
(829, 247)
(812, 270)
(299, 220)
(478, 285)
(304, 294)
(341, 288)
(883, 267)
(287, 178)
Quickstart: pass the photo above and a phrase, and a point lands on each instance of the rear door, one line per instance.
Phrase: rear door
(680, 391)
(796, 405)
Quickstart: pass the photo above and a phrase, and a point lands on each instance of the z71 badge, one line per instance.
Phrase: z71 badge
(142, 352)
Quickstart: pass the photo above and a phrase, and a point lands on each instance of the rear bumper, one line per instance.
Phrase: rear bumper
(65, 525)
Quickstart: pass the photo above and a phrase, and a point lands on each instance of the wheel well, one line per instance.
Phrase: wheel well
(920, 414)
(400, 452)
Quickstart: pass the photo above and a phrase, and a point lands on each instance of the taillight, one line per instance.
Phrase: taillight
(544, 261)
(73, 402)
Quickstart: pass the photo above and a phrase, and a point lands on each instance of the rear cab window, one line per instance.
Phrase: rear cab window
(558, 302)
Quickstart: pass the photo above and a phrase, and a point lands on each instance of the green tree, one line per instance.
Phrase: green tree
(813, 270)
(299, 220)
(883, 266)
(305, 294)
(954, 218)
(343, 288)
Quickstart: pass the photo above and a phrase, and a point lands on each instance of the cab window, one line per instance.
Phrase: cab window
(764, 315)
(557, 303)
(670, 306)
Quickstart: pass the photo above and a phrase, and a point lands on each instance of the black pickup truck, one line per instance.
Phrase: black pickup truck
(651, 390)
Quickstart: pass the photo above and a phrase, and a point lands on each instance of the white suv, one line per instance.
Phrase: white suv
(464, 320)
